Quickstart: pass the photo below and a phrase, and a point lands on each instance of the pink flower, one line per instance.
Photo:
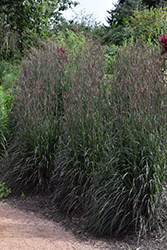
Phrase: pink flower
(163, 42)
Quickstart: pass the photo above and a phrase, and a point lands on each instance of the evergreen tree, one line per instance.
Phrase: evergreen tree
(125, 8)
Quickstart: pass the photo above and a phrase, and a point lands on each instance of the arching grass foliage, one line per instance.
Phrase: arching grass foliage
(97, 143)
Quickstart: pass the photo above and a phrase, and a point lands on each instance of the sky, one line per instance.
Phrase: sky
(97, 7)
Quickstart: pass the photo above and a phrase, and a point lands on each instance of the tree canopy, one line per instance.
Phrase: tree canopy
(23, 14)
(22, 22)
(122, 10)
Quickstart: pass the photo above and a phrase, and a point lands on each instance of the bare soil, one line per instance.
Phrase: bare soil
(35, 223)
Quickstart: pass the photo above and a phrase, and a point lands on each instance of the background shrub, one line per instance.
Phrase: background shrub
(110, 57)
(9, 41)
(72, 41)
(3, 120)
(146, 24)
(6, 101)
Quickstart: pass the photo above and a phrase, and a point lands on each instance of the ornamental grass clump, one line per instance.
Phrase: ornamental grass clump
(99, 144)
(85, 136)
(36, 116)
(126, 190)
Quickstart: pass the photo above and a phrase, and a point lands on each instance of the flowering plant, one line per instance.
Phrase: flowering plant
(163, 42)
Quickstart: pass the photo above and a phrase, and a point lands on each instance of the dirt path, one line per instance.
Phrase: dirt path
(21, 230)
(30, 225)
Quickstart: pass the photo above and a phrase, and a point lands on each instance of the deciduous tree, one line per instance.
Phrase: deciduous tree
(19, 19)
(23, 14)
